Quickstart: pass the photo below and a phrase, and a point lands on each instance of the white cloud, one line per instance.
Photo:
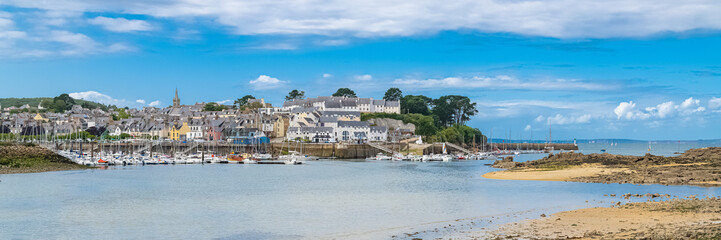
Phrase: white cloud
(365, 77)
(276, 46)
(154, 103)
(372, 18)
(528, 128)
(79, 44)
(628, 111)
(327, 75)
(501, 82)
(76, 39)
(121, 24)
(228, 101)
(98, 97)
(664, 110)
(332, 42)
(559, 119)
(530, 107)
(264, 82)
(141, 101)
(714, 103)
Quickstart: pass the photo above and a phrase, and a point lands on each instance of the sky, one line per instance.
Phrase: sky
(647, 70)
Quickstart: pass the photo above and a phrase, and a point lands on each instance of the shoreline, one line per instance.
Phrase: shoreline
(562, 175)
(689, 218)
(29, 158)
(695, 167)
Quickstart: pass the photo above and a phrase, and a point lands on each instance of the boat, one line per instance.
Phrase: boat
(249, 161)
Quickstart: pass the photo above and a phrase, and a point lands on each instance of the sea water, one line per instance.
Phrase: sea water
(318, 200)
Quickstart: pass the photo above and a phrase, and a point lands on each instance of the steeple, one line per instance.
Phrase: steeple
(176, 100)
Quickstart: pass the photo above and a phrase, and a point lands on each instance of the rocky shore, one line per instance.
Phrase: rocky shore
(700, 167)
(29, 158)
(690, 218)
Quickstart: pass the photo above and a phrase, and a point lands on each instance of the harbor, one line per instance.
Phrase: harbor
(323, 199)
(164, 152)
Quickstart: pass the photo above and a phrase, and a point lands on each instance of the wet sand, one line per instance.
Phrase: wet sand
(673, 219)
(567, 174)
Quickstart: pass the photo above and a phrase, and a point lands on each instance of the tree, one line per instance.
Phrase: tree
(255, 105)
(416, 104)
(295, 95)
(244, 100)
(345, 92)
(122, 114)
(59, 106)
(213, 107)
(66, 98)
(453, 109)
(393, 94)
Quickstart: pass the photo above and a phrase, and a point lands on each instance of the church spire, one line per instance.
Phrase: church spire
(176, 100)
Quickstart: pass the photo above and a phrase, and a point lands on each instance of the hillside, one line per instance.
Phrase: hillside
(34, 102)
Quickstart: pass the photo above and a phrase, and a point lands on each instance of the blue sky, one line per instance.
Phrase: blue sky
(616, 69)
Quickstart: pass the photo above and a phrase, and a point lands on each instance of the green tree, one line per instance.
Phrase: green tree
(213, 107)
(255, 105)
(123, 114)
(393, 94)
(453, 109)
(295, 95)
(345, 92)
(244, 100)
(59, 106)
(66, 98)
(416, 104)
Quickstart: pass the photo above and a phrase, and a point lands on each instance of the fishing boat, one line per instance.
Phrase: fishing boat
(235, 158)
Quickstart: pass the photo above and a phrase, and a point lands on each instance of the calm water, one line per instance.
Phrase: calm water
(324, 199)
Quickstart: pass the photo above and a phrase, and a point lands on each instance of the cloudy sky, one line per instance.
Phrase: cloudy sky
(592, 69)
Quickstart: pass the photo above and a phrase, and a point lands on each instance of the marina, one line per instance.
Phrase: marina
(294, 202)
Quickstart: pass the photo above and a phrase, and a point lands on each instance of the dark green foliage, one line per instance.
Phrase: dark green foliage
(295, 95)
(453, 109)
(393, 94)
(460, 134)
(57, 104)
(416, 104)
(214, 107)
(344, 92)
(244, 100)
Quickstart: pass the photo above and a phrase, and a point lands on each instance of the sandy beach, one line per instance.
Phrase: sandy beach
(567, 174)
(674, 219)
